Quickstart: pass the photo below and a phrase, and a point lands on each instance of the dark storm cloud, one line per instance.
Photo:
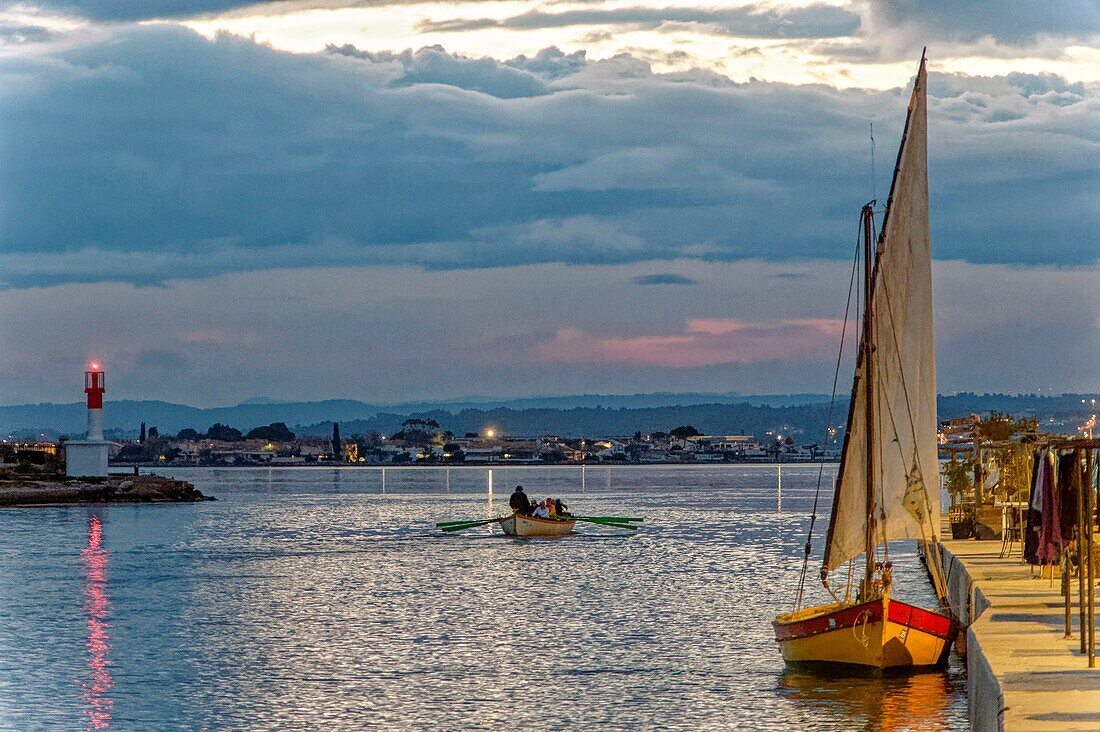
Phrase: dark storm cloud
(1015, 22)
(755, 21)
(157, 154)
(143, 9)
(669, 278)
(131, 10)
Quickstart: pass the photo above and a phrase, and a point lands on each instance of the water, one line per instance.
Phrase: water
(307, 599)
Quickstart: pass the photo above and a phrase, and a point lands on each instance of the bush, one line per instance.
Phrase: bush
(274, 432)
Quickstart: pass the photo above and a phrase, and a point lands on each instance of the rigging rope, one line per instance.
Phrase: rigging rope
(829, 422)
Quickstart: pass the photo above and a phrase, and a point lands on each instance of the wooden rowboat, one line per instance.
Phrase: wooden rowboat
(516, 525)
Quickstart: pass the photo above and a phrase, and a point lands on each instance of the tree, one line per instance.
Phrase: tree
(1001, 426)
(337, 443)
(420, 432)
(452, 453)
(188, 434)
(274, 432)
(224, 432)
(957, 481)
(141, 435)
(684, 431)
(553, 456)
(154, 433)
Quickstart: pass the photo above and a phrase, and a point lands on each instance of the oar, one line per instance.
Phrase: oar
(613, 524)
(459, 526)
(441, 524)
(620, 519)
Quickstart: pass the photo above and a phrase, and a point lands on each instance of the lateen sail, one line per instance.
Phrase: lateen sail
(906, 489)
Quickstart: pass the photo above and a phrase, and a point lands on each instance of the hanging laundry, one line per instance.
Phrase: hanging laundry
(1068, 489)
(1034, 510)
(1050, 529)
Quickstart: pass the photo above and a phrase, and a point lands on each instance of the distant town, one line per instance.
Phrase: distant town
(424, 442)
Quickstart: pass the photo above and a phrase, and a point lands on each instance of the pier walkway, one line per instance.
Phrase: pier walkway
(1022, 674)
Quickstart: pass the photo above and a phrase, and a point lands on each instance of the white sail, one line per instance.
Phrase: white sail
(906, 488)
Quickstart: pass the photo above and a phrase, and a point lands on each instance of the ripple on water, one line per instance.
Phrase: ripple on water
(307, 599)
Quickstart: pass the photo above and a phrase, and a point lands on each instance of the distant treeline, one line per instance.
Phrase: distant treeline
(809, 420)
(806, 420)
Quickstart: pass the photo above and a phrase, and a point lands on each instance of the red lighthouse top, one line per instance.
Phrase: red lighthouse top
(94, 386)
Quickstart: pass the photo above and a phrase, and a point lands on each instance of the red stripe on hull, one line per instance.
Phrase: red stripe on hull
(920, 619)
(899, 612)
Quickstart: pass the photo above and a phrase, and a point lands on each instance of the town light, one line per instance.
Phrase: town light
(490, 433)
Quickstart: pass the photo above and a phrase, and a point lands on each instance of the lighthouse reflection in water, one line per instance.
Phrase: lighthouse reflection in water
(97, 608)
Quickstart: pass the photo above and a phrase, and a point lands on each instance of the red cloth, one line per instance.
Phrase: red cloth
(1050, 530)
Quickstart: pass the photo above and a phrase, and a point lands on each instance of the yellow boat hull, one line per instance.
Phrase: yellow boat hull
(877, 635)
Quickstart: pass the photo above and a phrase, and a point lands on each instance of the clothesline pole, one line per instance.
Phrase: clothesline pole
(1090, 499)
(1066, 592)
(1079, 494)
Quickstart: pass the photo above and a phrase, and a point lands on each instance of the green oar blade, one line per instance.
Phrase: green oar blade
(631, 527)
(620, 519)
(612, 524)
(459, 526)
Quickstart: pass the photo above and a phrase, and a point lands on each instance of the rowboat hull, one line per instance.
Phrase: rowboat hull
(883, 634)
(516, 525)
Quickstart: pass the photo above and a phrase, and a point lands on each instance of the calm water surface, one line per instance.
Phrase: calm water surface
(308, 599)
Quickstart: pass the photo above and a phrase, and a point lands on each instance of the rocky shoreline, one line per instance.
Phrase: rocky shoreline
(115, 489)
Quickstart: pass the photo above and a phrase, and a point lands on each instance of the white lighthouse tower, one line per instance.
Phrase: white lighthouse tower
(88, 457)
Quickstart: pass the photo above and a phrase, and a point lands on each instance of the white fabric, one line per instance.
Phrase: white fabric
(906, 485)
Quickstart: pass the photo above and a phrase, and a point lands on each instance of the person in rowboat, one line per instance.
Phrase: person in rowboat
(560, 509)
(519, 502)
(542, 510)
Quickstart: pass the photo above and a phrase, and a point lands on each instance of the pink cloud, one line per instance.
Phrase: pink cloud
(705, 342)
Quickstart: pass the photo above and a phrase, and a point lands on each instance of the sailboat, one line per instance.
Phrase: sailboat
(887, 483)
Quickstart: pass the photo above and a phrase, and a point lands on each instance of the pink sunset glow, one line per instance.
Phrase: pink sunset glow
(704, 342)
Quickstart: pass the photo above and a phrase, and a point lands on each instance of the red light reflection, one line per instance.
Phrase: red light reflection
(97, 606)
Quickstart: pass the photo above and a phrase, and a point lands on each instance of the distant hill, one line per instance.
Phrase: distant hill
(805, 421)
(802, 415)
(127, 415)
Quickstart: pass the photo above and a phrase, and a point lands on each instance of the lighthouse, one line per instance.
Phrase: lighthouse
(94, 388)
(88, 457)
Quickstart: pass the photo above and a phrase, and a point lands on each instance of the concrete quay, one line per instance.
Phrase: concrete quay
(1022, 673)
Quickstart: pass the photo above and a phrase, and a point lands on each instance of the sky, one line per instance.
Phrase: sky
(392, 200)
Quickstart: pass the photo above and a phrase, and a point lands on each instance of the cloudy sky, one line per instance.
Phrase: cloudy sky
(396, 199)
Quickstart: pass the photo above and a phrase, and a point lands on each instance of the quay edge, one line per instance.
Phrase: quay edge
(1022, 673)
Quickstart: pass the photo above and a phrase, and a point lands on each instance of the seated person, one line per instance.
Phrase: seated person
(542, 511)
(560, 509)
(519, 502)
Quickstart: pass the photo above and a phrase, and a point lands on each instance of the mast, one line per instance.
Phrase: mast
(869, 414)
(890, 440)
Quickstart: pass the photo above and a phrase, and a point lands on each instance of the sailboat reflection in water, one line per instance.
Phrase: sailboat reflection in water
(887, 486)
(97, 607)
